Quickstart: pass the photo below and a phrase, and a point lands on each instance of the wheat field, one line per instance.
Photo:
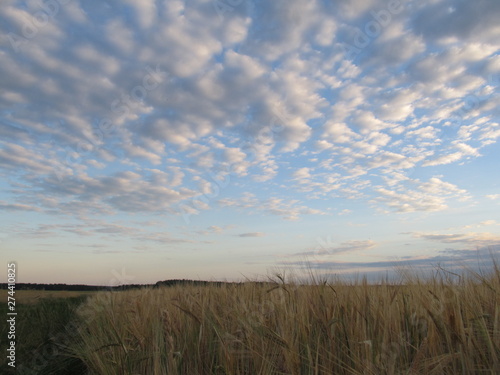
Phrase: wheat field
(443, 325)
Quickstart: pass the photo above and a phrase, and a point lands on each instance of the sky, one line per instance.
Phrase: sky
(231, 139)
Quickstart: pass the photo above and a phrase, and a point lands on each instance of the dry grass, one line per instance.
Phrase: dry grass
(419, 327)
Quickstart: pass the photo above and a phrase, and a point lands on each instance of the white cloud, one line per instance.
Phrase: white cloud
(366, 122)
(327, 248)
(479, 239)
(301, 174)
(467, 149)
(251, 234)
(427, 132)
(145, 12)
(17, 207)
(286, 209)
(326, 32)
(236, 159)
(339, 132)
(488, 222)
(493, 196)
(430, 196)
(445, 159)
(392, 160)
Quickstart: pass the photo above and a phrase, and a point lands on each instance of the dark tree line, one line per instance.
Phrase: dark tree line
(90, 288)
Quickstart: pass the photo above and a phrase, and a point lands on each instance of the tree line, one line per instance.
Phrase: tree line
(86, 288)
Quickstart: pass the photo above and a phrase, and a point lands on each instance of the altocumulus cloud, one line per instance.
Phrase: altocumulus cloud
(281, 109)
(135, 85)
(252, 234)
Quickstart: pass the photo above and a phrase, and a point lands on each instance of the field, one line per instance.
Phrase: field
(446, 325)
(34, 296)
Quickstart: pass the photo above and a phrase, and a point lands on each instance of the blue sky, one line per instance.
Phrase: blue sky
(151, 140)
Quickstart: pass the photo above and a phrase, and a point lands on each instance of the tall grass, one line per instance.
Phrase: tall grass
(436, 326)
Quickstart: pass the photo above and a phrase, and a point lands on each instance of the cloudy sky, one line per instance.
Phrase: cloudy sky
(221, 139)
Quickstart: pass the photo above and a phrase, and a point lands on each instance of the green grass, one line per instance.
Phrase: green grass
(35, 295)
(43, 333)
